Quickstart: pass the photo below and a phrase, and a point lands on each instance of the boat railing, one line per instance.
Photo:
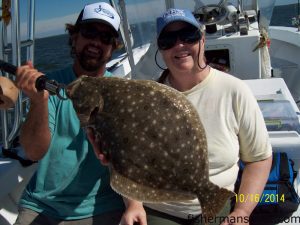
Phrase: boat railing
(10, 50)
(126, 33)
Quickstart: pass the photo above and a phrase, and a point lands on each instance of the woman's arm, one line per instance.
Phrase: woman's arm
(253, 181)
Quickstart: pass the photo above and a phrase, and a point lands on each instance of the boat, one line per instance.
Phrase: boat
(239, 40)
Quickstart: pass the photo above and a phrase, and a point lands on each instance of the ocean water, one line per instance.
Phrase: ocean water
(52, 53)
(282, 15)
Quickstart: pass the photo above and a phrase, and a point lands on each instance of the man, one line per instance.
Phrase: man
(70, 185)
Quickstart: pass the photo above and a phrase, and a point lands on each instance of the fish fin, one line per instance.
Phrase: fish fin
(212, 200)
(143, 193)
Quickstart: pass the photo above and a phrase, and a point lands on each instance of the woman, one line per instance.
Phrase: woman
(234, 125)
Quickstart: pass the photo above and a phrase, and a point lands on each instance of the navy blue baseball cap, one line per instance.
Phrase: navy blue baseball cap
(174, 15)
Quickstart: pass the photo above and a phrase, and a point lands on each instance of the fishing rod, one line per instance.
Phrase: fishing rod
(42, 82)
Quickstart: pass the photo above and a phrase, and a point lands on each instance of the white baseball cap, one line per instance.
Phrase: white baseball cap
(100, 12)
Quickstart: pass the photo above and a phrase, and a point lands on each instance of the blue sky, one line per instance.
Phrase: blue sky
(51, 16)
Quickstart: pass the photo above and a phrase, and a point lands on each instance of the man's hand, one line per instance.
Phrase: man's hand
(134, 213)
(26, 77)
(36, 126)
(96, 143)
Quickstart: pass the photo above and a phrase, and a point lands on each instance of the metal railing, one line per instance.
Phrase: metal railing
(10, 49)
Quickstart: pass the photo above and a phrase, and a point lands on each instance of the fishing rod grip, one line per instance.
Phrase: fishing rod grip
(7, 67)
(42, 82)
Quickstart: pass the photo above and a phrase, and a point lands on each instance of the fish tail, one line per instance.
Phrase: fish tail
(213, 199)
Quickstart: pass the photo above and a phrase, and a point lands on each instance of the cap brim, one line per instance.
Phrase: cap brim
(177, 20)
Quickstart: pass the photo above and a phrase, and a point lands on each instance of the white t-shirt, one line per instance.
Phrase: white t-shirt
(234, 127)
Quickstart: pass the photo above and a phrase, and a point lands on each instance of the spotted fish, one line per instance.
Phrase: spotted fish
(153, 138)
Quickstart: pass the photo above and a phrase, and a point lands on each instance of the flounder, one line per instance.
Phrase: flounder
(153, 137)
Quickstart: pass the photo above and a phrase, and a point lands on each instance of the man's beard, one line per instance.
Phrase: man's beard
(91, 62)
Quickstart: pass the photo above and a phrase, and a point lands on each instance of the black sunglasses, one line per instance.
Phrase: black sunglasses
(106, 38)
(188, 35)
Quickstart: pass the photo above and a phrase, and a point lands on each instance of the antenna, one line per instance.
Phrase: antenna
(298, 6)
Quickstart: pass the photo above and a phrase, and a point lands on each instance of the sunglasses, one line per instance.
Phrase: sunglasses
(106, 38)
(188, 35)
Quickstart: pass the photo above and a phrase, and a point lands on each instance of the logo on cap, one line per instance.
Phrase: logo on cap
(104, 12)
(174, 12)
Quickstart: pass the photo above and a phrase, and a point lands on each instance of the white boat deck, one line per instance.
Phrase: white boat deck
(13, 179)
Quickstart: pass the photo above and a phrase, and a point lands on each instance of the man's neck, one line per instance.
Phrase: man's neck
(78, 70)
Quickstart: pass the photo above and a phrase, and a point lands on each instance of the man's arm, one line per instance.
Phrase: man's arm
(135, 212)
(35, 134)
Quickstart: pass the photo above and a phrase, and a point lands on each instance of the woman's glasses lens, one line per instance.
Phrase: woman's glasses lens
(166, 42)
(188, 35)
(92, 33)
